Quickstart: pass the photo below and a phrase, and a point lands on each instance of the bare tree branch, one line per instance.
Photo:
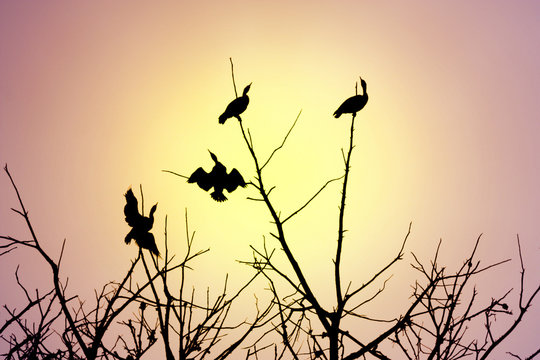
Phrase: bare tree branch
(282, 143)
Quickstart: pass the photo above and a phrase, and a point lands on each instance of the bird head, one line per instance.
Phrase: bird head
(246, 89)
(153, 210)
(214, 157)
(364, 84)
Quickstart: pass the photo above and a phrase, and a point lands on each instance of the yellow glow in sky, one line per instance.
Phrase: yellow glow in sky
(97, 97)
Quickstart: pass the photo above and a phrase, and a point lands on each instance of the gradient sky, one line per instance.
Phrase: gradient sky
(99, 96)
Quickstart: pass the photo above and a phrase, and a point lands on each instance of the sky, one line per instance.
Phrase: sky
(99, 96)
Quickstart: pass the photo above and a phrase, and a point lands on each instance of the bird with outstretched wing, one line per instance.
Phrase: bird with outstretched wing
(217, 178)
(140, 225)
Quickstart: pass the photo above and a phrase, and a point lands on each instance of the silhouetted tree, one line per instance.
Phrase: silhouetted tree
(439, 326)
(432, 324)
(55, 326)
(301, 308)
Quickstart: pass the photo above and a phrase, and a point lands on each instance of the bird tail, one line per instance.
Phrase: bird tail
(128, 237)
(218, 196)
(154, 250)
(337, 114)
(147, 241)
(152, 247)
(222, 118)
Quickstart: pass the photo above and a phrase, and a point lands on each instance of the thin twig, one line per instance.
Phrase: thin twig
(283, 143)
(233, 81)
(311, 199)
(172, 172)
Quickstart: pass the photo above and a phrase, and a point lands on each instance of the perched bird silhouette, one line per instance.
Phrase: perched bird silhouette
(218, 179)
(141, 225)
(236, 107)
(353, 104)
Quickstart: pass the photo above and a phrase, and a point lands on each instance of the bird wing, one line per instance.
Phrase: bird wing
(345, 107)
(233, 180)
(202, 178)
(236, 107)
(341, 109)
(131, 209)
(229, 112)
(351, 105)
(147, 241)
(241, 104)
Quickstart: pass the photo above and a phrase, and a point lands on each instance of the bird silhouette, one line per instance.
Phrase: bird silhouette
(218, 179)
(140, 225)
(353, 104)
(236, 107)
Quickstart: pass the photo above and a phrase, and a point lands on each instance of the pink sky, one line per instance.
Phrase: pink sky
(99, 96)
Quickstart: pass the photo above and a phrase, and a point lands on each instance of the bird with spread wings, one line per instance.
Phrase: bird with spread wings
(218, 179)
(140, 224)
